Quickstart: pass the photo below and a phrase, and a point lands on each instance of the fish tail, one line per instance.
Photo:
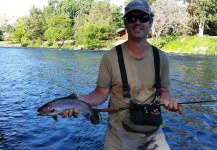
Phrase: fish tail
(96, 118)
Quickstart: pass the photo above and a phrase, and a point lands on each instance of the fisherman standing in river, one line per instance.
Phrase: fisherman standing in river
(134, 74)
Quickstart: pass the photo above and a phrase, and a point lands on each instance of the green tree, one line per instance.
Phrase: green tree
(50, 10)
(7, 28)
(117, 18)
(68, 8)
(98, 26)
(20, 34)
(93, 36)
(203, 13)
(100, 12)
(1, 35)
(59, 28)
(82, 13)
(34, 24)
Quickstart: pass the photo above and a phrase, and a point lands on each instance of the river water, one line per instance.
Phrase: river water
(30, 77)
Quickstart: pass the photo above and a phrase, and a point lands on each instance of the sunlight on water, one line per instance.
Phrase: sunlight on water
(31, 77)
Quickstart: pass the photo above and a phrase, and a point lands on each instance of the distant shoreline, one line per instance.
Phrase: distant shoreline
(103, 49)
(179, 45)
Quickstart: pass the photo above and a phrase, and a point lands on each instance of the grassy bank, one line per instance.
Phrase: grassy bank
(9, 44)
(194, 45)
(69, 45)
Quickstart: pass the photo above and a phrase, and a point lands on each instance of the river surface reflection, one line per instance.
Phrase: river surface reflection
(30, 77)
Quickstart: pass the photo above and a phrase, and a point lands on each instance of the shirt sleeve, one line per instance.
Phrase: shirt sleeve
(165, 70)
(104, 74)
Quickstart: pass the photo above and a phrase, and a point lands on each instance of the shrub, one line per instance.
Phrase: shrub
(93, 36)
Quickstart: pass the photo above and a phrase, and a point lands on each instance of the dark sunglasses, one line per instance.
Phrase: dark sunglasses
(133, 18)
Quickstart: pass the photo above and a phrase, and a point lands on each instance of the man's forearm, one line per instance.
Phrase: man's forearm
(165, 94)
(96, 97)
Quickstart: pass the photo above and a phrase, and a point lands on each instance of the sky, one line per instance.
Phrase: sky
(19, 8)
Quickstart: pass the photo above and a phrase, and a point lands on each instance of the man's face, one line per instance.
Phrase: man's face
(137, 25)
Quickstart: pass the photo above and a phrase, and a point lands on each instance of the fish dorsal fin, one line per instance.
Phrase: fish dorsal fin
(73, 95)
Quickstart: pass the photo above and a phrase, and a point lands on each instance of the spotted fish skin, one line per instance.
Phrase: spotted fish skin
(57, 106)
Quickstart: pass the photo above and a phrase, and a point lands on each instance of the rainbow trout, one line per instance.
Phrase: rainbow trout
(57, 106)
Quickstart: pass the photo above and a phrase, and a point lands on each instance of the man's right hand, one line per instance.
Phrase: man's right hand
(70, 112)
(95, 98)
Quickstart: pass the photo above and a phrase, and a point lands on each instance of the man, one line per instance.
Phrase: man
(140, 70)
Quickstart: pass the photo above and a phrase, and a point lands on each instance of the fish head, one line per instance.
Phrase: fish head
(46, 110)
(96, 118)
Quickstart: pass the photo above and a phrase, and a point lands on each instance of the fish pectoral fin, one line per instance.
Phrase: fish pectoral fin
(73, 96)
(87, 116)
(55, 118)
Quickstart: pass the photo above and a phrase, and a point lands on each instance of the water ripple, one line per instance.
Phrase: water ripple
(31, 77)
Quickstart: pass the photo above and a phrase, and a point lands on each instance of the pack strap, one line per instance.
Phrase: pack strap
(157, 70)
(125, 85)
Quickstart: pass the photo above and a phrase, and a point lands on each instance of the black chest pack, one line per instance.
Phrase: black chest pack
(142, 118)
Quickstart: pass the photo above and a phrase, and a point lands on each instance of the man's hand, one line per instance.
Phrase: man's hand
(95, 98)
(70, 112)
(172, 105)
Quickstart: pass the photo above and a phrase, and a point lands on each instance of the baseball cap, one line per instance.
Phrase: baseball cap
(141, 5)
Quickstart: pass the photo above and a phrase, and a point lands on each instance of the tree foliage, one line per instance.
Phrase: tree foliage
(170, 18)
(82, 13)
(93, 35)
(34, 24)
(1, 35)
(117, 20)
(7, 28)
(204, 15)
(20, 34)
(96, 16)
(67, 8)
(59, 28)
(92, 23)
(98, 26)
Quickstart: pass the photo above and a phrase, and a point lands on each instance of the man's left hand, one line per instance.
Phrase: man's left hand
(172, 105)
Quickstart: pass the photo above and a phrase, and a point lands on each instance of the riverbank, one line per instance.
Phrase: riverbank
(188, 45)
(206, 45)
(9, 44)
